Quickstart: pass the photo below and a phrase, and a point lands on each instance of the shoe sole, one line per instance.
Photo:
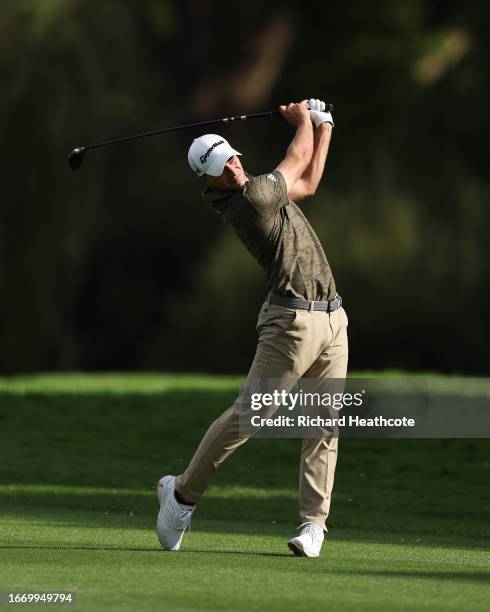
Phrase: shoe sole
(162, 492)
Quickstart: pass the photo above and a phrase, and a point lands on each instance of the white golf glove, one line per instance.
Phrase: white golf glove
(317, 112)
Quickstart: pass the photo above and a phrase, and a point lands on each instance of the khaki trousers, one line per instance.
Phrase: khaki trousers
(292, 344)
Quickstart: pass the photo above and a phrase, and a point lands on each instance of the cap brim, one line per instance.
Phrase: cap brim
(217, 167)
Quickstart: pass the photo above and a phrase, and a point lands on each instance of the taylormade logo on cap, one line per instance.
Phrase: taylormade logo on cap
(204, 157)
(208, 154)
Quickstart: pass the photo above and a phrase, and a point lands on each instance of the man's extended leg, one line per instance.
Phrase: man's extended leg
(289, 342)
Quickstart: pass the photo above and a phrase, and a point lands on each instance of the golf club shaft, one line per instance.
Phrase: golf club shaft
(76, 156)
(186, 126)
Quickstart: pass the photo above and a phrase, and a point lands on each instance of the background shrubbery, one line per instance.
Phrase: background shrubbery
(121, 265)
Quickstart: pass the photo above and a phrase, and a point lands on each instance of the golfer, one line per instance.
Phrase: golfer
(302, 326)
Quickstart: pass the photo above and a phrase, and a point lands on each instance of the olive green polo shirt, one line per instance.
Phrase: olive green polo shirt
(278, 235)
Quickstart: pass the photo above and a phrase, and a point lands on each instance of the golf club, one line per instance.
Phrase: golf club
(76, 156)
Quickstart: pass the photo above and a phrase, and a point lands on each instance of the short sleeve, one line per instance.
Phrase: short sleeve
(267, 193)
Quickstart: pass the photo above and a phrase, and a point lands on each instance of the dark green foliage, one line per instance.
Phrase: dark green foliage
(121, 265)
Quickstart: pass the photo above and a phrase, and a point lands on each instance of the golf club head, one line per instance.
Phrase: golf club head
(76, 157)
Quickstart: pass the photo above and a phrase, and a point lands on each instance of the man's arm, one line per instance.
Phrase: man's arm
(307, 184)
(300, 151)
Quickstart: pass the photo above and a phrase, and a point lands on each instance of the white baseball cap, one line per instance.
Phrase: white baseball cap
(208, 154)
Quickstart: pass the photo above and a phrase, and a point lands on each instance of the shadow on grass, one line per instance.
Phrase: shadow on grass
(450, 576)
(60, 519)
(127, 509)
(154, 550)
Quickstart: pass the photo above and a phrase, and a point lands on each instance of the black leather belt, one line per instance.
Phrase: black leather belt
(329, 305)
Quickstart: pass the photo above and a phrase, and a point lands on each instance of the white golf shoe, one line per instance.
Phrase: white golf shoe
(309, 542)
(173, 518)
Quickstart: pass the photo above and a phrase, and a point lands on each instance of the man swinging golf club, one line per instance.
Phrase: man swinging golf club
(302, 326)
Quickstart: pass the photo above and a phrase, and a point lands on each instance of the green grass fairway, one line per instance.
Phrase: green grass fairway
(81, 454)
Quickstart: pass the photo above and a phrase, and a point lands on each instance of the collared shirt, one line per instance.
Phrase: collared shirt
(278, 235)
